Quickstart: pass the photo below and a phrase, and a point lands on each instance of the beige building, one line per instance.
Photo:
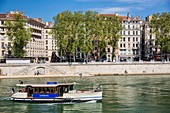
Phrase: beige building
(150, 49)
(130, 45)
(38, 46)
(50, 42)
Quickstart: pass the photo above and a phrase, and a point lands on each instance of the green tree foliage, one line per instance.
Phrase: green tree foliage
(160, 23)
(80, 30)
(19, 35)
(109, 28)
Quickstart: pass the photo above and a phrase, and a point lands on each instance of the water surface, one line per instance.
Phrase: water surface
(121, 94)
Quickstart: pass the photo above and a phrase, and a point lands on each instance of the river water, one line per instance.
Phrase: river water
(121, 94)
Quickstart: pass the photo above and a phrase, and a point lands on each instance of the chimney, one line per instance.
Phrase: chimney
(128, 15)
(6, 12)
(39, 19)
(48, 24)
(116, 14)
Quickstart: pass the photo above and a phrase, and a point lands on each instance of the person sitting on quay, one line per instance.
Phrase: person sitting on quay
(21, 82)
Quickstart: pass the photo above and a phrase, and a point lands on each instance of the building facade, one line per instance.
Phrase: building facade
(37, 47)
(50, 42)
(130, 45)
(149, 47)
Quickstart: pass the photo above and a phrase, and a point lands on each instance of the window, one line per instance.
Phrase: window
(133, 38)
(95, 48)
(46, 47)
(2, 45)
(123, 32)
(128, 45)
(133, 45)
(46, 41)
(9, 44)
(133, 32)
(123, 38)
(46, 36)
(129, 52)
(2, 37)
(136, 32)
(128, 26)
(108, 49)
(136, 45)
(136, 38)
(128, 39)
(120, 45)
(150, 30)
(128, 32)
(137, 52)
(124, 45)
(2, 22)
(9, 38)
(3, 53)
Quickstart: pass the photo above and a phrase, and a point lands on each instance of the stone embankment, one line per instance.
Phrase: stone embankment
(90, 69)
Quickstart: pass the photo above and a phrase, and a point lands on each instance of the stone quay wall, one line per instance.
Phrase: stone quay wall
(96, 68)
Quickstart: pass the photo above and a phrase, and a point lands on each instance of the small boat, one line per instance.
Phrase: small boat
(52, 92)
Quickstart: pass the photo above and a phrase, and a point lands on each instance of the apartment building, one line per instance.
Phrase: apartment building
(149, 47)
(130, 45)
(5, 43)
(37, 46)
(50, 42)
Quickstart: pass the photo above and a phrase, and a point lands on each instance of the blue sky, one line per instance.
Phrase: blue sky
(47, 9)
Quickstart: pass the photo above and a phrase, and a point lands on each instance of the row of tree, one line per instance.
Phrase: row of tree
(79, 31)
(18, 33)
(160, 23)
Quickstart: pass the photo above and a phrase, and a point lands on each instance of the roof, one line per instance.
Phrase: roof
(120, 17)
(2, 15)
(46, 85)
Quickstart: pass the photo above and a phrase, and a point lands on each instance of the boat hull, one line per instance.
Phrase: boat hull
(55, 100)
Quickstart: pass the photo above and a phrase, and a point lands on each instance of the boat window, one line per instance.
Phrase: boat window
(44, 90)
(52, 90)
(37, 90)
(66, 89)
(71, 87)
(41, 90)
(48, 90)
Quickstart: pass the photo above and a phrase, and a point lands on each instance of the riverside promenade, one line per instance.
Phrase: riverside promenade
(83, 69)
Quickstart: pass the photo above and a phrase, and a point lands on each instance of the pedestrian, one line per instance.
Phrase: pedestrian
(126, 72)
(21, 82)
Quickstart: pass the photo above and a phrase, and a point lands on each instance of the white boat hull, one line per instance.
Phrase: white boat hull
(69, 97)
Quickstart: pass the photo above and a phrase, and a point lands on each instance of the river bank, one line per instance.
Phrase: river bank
(60, 76)
(90, 69)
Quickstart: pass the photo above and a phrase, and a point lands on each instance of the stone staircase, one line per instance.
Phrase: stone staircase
(49, 70)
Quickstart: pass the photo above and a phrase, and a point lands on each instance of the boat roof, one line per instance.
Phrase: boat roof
(46, 85)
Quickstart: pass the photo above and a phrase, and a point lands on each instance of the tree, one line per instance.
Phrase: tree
(19, 35)
(108, 32)
(78, 31)
(160, 23)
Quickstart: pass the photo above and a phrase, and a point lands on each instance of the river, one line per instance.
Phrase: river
(121, 94)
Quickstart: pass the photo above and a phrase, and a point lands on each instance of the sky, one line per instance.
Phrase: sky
(47, 9)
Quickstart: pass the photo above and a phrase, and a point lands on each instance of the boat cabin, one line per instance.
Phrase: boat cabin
(49, 90)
